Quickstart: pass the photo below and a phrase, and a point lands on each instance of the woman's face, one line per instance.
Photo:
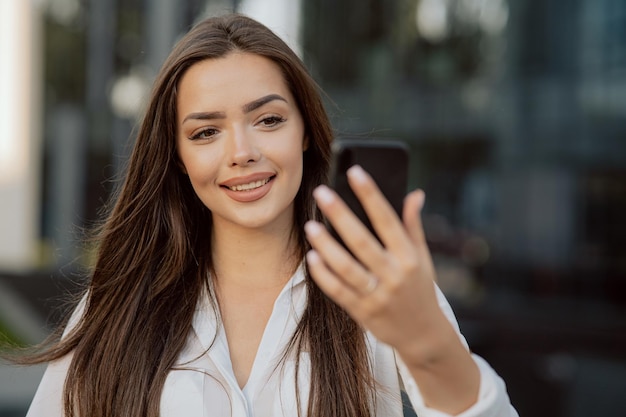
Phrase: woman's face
(240, 138)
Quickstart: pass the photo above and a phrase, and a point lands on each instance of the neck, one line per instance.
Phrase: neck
(253, 259)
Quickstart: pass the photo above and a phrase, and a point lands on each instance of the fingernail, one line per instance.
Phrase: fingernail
(357, 173)
(312, 228)
(421, 199)
(323, 194)
(312, 256)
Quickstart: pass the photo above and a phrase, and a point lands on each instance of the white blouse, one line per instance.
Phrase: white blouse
(203, 384)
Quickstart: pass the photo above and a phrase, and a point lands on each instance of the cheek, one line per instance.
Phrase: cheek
(294, 163)
(199, 166)
(291, 155)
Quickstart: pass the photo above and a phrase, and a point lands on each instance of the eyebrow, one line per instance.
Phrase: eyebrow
(205, 116)
(253, 105)
(247, 108)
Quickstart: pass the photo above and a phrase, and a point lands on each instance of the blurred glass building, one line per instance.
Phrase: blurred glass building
(515, 112)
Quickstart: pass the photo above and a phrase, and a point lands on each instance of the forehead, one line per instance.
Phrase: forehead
(236, 77)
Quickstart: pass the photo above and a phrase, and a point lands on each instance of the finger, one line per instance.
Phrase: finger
(383, 217)
(329, 283)
(339, 260)
(361, 242)
(412, 216)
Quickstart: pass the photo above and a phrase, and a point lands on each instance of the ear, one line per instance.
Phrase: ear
(305, 144)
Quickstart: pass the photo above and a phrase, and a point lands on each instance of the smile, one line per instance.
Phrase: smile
(249, 186)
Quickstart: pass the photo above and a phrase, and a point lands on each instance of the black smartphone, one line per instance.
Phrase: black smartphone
(386, 160)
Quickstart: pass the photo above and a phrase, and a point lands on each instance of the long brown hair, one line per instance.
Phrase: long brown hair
(150, 270)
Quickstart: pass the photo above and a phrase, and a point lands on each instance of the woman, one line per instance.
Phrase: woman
(217, 291)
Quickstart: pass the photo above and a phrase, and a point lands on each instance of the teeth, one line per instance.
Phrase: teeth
(249, 186)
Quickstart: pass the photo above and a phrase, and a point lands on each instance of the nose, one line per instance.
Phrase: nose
(243, 149)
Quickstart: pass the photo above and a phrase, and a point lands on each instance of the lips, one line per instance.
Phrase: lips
(250, 187)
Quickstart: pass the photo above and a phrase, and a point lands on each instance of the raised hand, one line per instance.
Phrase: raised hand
(389, 287)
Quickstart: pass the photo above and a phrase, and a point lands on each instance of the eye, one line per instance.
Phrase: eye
(271, 121)
(206, 133)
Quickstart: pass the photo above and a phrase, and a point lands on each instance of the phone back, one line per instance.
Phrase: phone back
(387, 161)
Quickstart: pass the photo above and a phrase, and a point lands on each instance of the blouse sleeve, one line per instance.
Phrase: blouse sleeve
(48, 399)
(493, 400)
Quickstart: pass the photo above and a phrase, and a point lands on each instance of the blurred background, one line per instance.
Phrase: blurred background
(514, 110)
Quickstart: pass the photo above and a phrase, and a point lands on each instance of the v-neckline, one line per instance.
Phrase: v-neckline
(212, 336)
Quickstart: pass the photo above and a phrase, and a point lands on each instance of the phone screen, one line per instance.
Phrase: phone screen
(387, 161)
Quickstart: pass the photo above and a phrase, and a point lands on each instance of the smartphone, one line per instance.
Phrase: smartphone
(386, 160)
